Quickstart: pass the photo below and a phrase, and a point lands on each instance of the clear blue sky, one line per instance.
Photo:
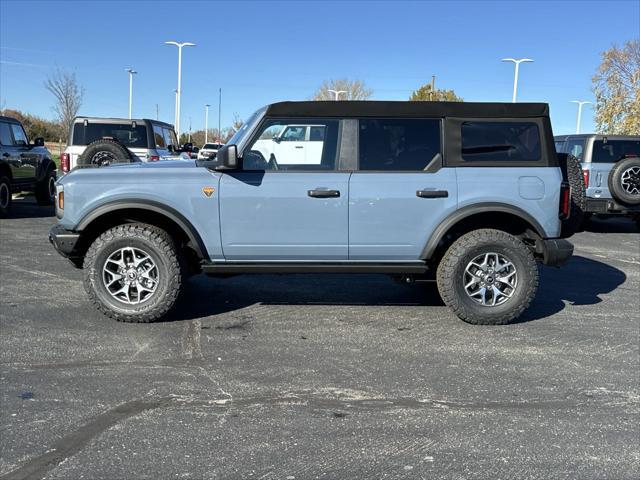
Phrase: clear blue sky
(261, 52)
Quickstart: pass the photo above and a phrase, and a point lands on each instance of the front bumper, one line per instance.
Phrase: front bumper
(554, 251)
(64, 241)
(608, 206)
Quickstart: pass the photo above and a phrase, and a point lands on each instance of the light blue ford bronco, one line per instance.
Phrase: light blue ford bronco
(611, 172)
(470, 195)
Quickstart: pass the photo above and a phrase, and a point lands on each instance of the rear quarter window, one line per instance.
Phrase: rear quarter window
(500, 141)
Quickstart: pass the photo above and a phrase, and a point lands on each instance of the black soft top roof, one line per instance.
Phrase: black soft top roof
(406, 109)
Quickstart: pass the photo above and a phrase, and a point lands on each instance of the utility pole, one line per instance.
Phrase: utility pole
(189, 129)
(580, 104)
(517, 62)
(206, 123)
(132, 72)
(336, 93)
(219, 115)
(157, 112)
(179, 90)
(433, 87)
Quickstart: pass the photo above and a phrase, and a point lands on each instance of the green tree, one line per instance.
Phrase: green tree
(616, 86)
(424, 94)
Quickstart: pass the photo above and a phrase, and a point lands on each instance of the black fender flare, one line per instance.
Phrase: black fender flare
(444, 226)
(153, 206)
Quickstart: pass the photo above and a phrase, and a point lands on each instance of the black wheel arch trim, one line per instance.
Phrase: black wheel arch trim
(153, 206)
(465, 212)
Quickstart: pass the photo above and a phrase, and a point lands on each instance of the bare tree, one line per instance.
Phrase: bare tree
(352, 90)
(68, 94)
(617, 89)
(237, 122)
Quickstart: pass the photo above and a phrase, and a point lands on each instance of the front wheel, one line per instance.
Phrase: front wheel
(133, 273)
(487, 277)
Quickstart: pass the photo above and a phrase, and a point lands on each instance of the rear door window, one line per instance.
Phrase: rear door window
(611, 151)
(398, 144)
(500, 141)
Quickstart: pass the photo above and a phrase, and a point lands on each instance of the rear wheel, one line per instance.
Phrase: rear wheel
(487, 277)
(572, 173)
(5, 196)
(133, 273)
(46, 189)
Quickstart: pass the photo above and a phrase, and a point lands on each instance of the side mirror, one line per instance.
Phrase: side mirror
(227, 158)
(170, 148)
(276, 139)
(38, 142)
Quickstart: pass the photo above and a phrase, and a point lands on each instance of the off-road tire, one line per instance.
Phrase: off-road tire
(43, 192)
(162, 249)
(615, 182)
(112, 149)
(450, 276)
(5, 196)
(572, 173)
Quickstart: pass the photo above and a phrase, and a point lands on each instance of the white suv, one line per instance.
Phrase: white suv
(292, 144)
(103, 141)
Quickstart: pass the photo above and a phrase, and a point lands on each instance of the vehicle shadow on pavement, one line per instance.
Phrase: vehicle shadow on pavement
(610, 225)
(580, 282)
(26, 207)
(206, 296)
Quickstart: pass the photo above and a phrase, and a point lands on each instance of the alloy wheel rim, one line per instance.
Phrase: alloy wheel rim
(103, 159)
(630, 180)
(490, 279)
(5, 194)
(130, 276)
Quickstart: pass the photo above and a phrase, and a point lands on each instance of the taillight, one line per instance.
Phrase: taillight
(585, 175)
(154, 158)
(565, 200)
(65, 162)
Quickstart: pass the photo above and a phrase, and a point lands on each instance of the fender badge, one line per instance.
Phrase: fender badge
(208, 191)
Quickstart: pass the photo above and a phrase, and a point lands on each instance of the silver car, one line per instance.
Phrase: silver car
(209, 150)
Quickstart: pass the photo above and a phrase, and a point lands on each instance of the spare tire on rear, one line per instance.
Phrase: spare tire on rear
(624, 182)
(572, 173)
(105, 152)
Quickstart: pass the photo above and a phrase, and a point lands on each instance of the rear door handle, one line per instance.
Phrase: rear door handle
(323, 193)
(432, 193)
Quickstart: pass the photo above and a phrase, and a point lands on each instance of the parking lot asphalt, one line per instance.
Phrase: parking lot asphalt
(319, 376)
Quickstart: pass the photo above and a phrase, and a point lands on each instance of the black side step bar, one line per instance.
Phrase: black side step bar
(296, 267)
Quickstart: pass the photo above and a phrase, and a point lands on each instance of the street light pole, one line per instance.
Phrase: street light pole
(206, 123)
(336, 93)
(219, 115)
(580, 104)
(517, 62)
(132, 72)
(179, 90)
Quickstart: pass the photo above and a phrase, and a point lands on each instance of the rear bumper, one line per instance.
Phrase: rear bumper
(608, 206)
(554, 251)
(64, 241)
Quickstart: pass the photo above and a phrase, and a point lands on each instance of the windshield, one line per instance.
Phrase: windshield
(211, 146)
(241, 136)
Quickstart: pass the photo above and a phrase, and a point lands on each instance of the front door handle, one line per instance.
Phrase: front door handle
(323, 193)
(432, 193)
(299, 147)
